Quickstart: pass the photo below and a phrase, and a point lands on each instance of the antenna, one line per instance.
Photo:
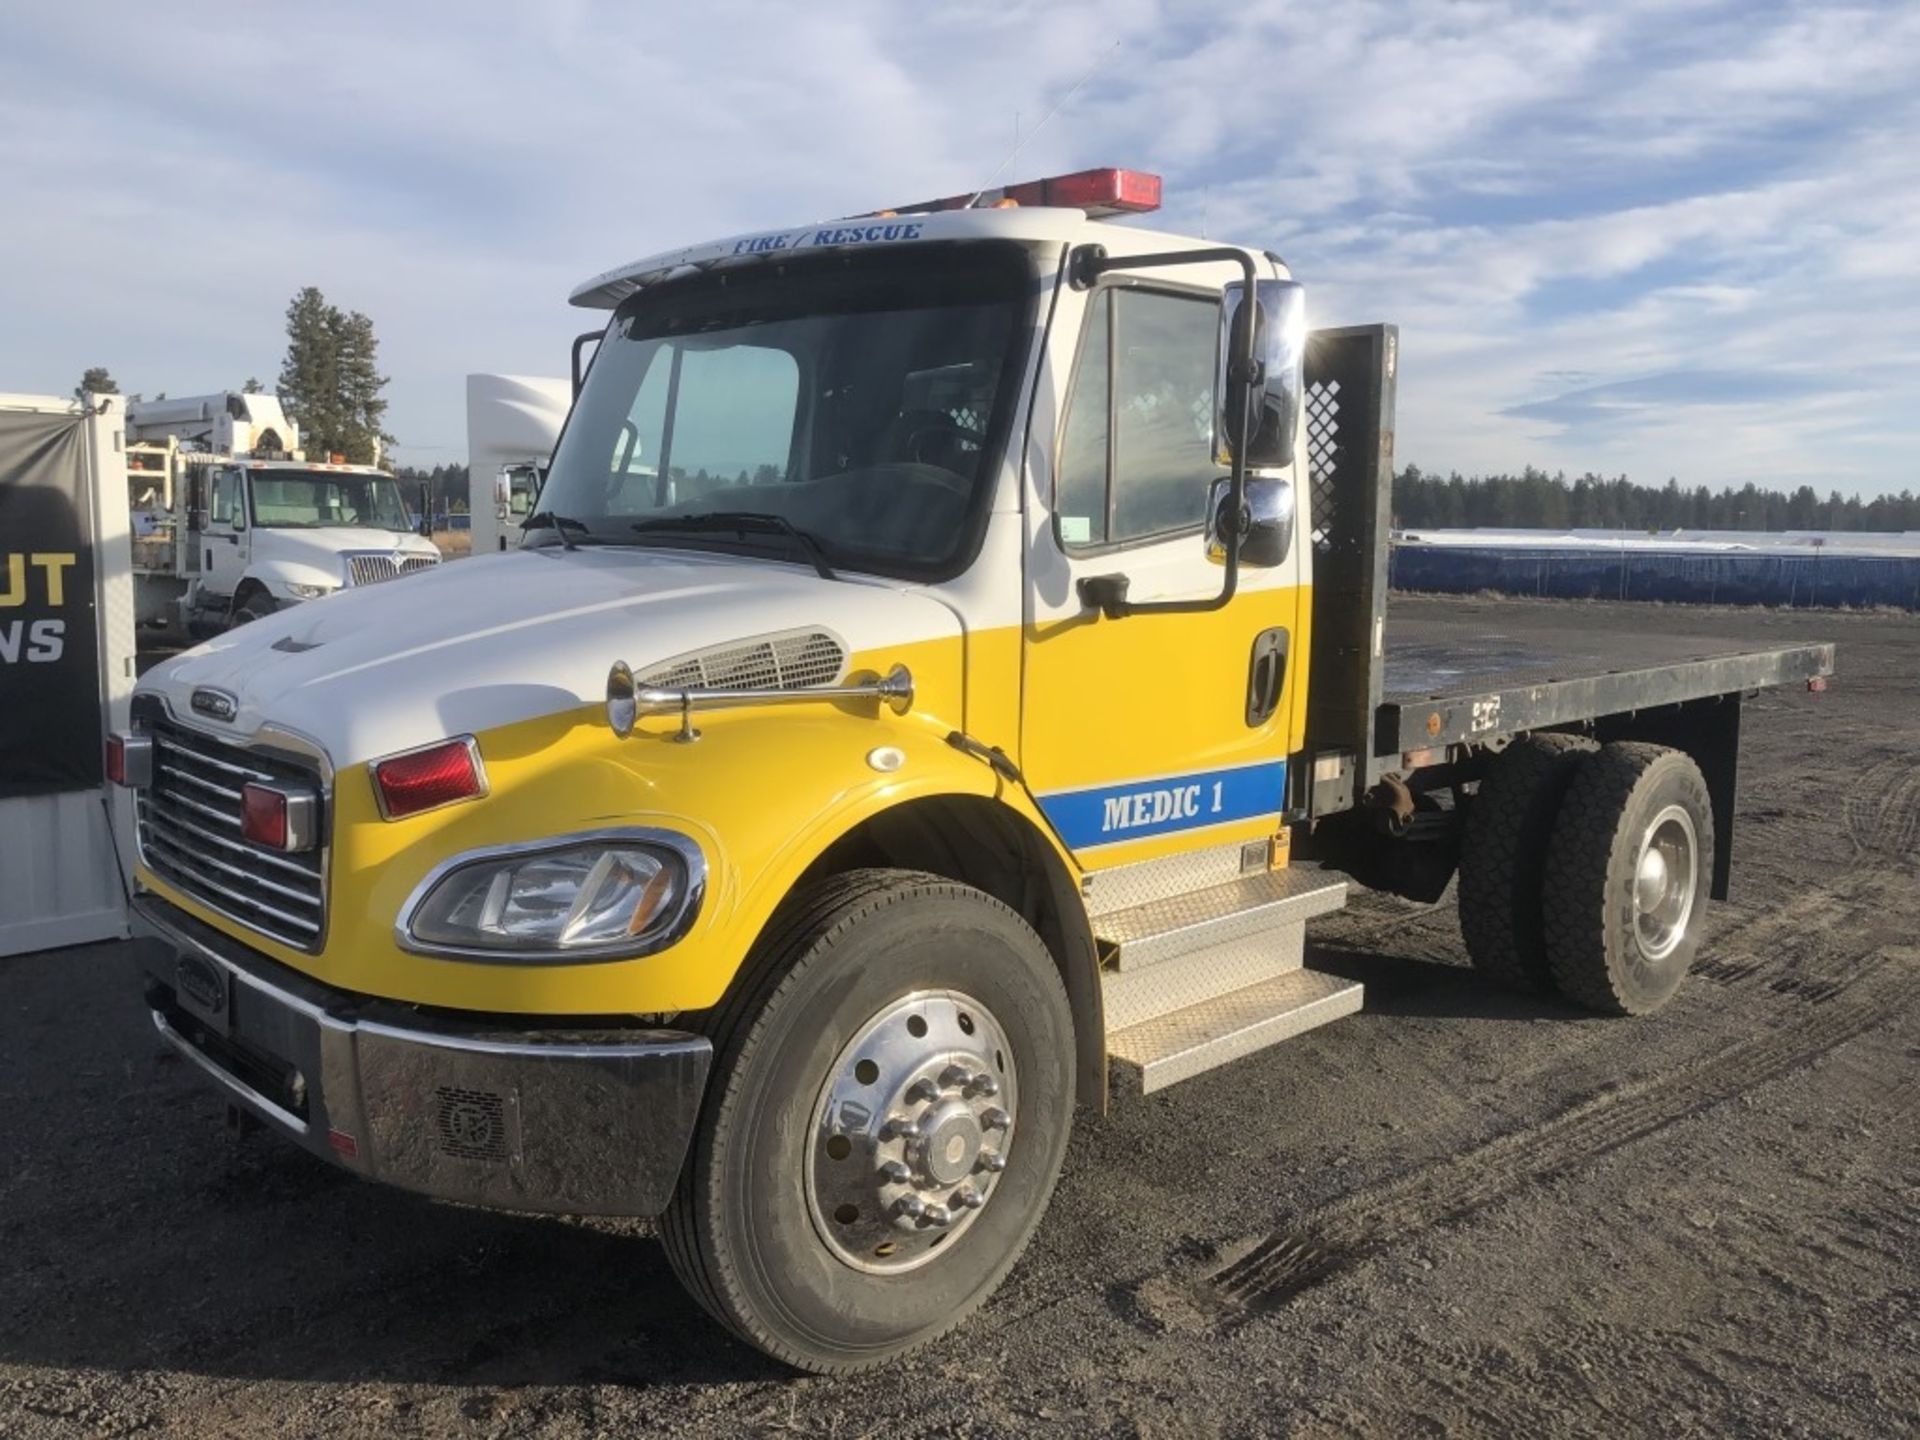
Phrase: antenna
(1020, 143)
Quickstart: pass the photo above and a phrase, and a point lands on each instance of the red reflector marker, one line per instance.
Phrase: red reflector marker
(129, 759)
(278, 817)
(263, 816)
(428, 778)
(344, 1145)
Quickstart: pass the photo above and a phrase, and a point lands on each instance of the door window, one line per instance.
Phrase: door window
(226, 507)
(1136, 451)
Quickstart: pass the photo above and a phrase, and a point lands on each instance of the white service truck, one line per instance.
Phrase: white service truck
(230, 522)
(512, 424)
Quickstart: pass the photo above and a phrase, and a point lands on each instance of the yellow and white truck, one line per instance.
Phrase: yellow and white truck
(948, 668)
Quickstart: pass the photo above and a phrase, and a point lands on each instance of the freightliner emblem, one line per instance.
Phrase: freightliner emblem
(214, 704)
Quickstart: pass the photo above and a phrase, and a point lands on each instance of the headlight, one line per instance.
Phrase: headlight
(614, 895)
(307, 592)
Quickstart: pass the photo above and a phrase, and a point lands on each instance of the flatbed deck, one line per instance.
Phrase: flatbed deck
(1451, 677)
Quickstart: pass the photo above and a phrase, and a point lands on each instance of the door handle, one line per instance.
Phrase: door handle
(1266, 675)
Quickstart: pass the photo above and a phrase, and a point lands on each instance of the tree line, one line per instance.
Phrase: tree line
(330, 381)
(1535, 500)
(445, 487)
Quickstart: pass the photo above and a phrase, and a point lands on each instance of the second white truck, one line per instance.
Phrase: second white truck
(230, 522)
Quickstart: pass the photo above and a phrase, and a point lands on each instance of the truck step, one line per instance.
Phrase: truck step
(1157, 1053)
(1146, 992)
(1125, 886)
(1177, 925)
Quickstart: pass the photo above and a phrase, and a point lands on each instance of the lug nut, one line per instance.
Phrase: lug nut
(994, 1118)
(895, 1172)
(967, 1198)
(985, 1084)
(923, 1089)
(910, 1205)
(899, 1127)
(992, 1161)
(938, 1215)
(955, 1077)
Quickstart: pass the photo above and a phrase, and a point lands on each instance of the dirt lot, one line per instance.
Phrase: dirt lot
(1458, 1213)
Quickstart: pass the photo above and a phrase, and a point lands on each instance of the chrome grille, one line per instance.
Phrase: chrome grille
(370, 567)
(189, 834)
(797, 660)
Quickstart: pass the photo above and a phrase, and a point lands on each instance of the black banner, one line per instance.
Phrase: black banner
(50, 712)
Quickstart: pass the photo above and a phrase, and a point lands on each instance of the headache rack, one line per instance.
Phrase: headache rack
(188, 831)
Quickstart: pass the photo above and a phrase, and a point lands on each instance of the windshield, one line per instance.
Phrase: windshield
(860, 399)
(307, 499)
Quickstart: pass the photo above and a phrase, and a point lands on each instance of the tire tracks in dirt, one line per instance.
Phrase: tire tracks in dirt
(1835, 997)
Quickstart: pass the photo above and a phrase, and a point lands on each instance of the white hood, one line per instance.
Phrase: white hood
(500, 638)
(321, 548)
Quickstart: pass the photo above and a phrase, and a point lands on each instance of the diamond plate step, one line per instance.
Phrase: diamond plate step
(1180, 924)
(1157, 1053)
(1147, 991)
(1125, 886)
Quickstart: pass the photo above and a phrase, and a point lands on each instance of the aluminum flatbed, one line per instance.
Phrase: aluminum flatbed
(1451, 678)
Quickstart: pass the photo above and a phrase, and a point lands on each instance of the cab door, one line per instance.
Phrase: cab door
(225, 543)
(1155, 733)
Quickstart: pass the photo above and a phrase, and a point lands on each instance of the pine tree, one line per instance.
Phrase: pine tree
(95, 381)
(252, 387)
(309, 377)
(363, 410)
(331, 381)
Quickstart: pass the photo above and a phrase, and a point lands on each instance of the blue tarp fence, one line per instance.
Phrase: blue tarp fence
(1716, 577)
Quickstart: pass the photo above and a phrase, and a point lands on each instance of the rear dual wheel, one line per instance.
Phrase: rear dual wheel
(890, 1102)
(1585, 870)
(1625, 889)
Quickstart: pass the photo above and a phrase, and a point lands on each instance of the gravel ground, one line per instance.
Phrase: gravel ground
(1458, 1213)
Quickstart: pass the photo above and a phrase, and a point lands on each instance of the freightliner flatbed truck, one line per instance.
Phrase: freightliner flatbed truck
(949, 666)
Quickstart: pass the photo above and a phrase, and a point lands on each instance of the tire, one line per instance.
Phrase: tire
(1608, 951)
(256, 606)
(1504, 856)
(747, 1229)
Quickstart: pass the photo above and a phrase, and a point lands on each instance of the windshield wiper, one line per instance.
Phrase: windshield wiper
(559, 524)
(743, 522)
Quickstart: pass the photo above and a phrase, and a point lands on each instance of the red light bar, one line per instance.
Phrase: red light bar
(425, 779)
(1100, 193)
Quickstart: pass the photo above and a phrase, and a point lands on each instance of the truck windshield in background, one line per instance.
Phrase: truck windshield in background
(310, 499)
(863, 400)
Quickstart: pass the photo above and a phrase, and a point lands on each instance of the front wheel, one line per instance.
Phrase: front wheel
(892, 1092)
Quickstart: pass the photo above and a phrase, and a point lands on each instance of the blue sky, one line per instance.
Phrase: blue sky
(1664, 237)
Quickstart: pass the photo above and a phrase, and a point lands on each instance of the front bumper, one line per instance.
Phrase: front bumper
(589, 1121)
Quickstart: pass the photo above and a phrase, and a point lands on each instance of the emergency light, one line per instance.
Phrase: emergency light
(1100, 193)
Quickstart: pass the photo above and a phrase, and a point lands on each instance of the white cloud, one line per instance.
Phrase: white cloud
(1548, 197)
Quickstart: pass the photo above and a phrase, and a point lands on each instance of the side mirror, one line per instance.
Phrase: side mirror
(1266, 400)
(1265, 523)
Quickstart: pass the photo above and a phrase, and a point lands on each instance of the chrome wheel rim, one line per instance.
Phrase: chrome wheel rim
(911, 1131)
(1665, 876)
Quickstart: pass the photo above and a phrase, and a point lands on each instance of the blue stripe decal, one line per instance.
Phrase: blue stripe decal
(1132, 810)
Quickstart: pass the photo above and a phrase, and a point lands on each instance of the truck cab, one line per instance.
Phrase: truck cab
(942, 677)
(274, 533)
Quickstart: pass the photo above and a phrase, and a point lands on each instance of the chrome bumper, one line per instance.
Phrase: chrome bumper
(589, 1121)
